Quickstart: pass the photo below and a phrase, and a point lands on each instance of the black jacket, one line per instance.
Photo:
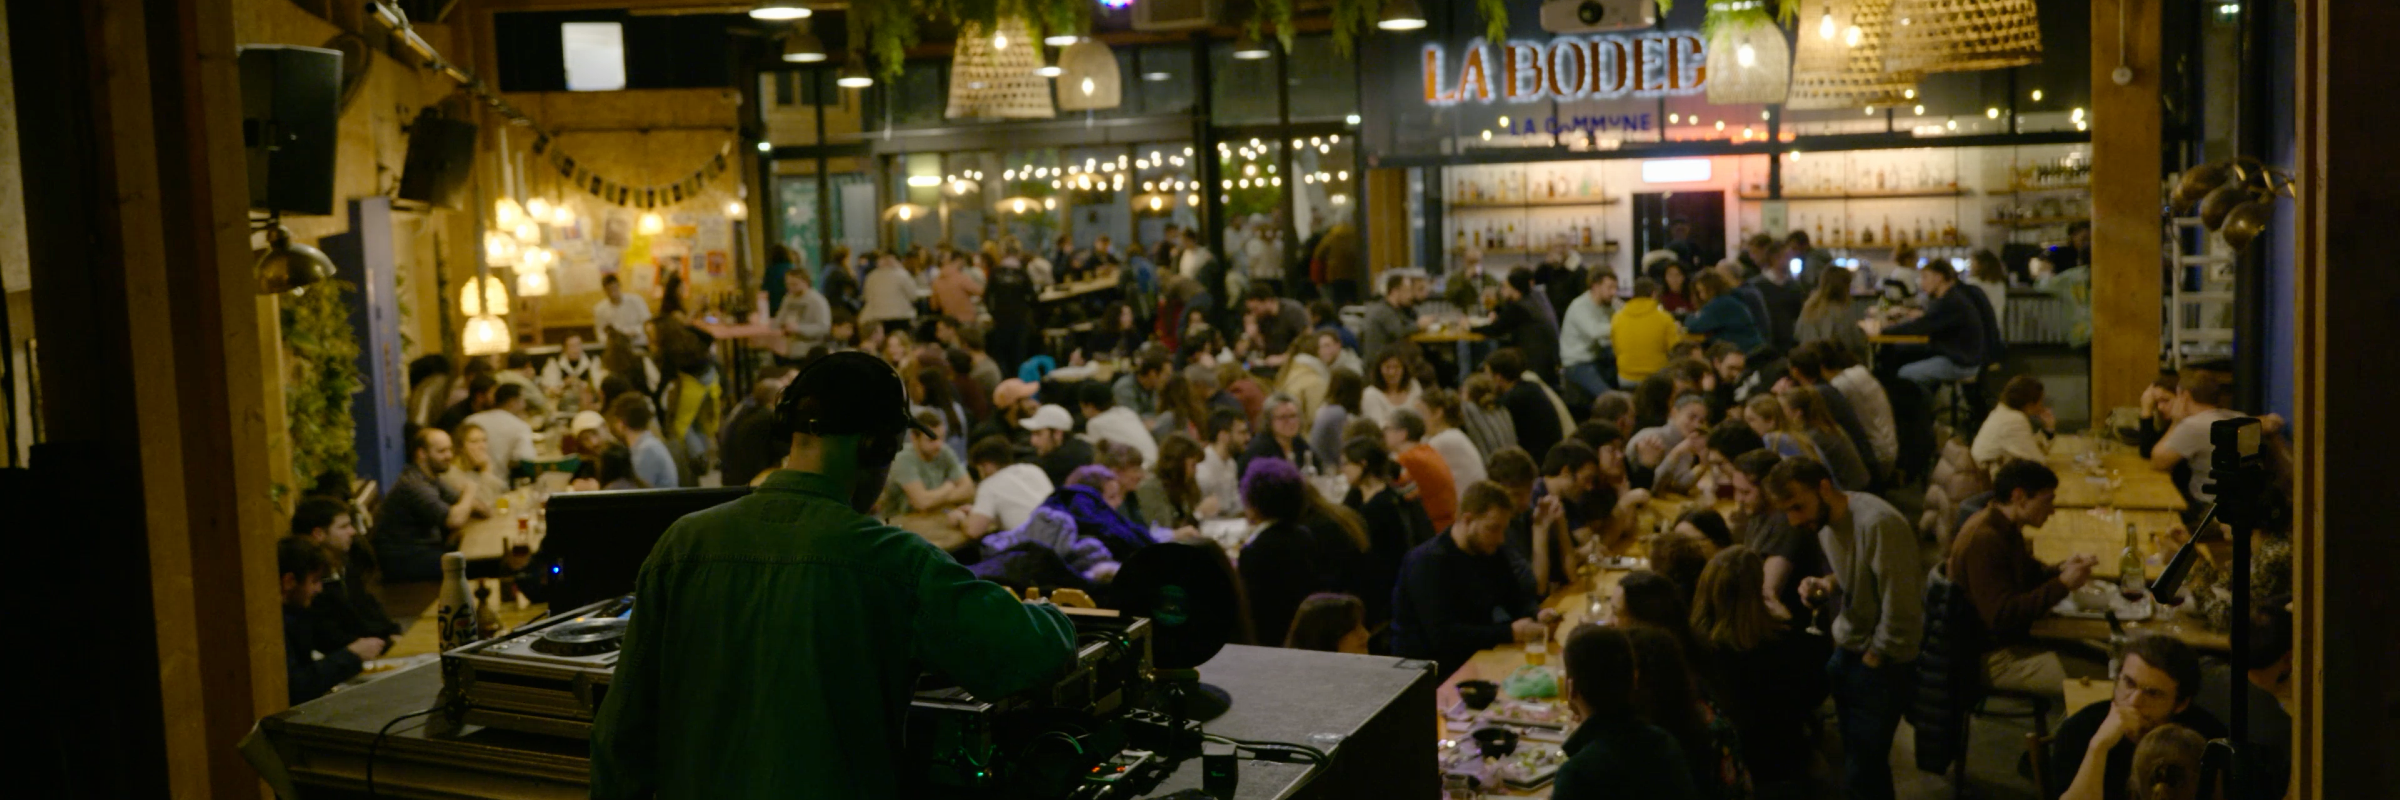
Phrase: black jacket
(1771, 692)
(1995, 347)
(1523, 327)
(1535, 418)
(1010, 295)
(1949, 671)
(346, 612)
(1451, 603)
(309, 677)
(1262, 445)
(1783, 310)
(1280, 567)
(1622, 758)
(1071, 455)
(1394, 526)
(1953, 324)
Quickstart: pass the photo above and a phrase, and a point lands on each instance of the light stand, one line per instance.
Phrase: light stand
(2238, 476)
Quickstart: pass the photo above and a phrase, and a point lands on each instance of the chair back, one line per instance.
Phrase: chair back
(2037, 751)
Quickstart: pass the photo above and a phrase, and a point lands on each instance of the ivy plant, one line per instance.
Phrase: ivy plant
(321, 375)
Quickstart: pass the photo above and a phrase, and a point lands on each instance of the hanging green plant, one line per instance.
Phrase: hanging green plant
(321, 356)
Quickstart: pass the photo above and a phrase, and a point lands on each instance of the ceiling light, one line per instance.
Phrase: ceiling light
(2037, 95)
(922, 181)
(1049, 71)
(506, 213)
(1061, 39)
(286, 265)
(802, 47)
(1991, 113)
(533, 282)
(854, 76)
(1401, 15)
(482, 296)
(485, 335)
(651, 224)
(1249, 48)
(1155, 76)
(779, 10)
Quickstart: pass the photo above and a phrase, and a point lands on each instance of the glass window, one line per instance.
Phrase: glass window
(1028, 204)
(1235, 96)
(1098, 195)
(916, 183)
(1170, 193)
(1324, 84)
(1328, 189)
(1252, 189)
(1164, 85)
(595, 55)
(964, 199)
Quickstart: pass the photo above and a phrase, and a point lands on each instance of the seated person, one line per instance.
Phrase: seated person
(1090, 497)
(1953, 325)
(2265, 675)
(1459, 594)
(2019, 428)
(1329, 622)
(1282, 564)
(422, 517)
(1057, 452)
(1422, 466)
(309, 672)
(345, 611)
(1009, 491)
(1570, 471)
(2199, 401)
(2094, 748)
(1992, 563)
(926, 477)
(1060, 530)
(1614, 753)
(1219, 471)
(1105, 421)
(1651, 447)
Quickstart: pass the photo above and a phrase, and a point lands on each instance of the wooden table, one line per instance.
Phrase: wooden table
(1067, 291)
(2101, 532)
(1461, 338)
(2082, 692)
(1899, 338)
(2078, 629)
(2139, 485)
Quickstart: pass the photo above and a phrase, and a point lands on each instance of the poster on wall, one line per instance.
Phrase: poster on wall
(617, 230)
(718, 265)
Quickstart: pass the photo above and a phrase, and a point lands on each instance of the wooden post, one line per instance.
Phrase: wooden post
(1386, 227)
(2345, 294)
(2127, 306)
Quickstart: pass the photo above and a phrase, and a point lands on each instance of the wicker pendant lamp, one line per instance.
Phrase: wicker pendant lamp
(1088, 79)
(992, 74)
(1962, 35)
(1748, 61)
(1840, 59)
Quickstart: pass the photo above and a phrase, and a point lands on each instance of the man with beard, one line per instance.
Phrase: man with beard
(779, 636)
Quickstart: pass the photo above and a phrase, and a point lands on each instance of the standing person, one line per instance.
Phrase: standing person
(955, 289)
(781, 262)
(1459, 594)
(1993, 565)
(1280, 566)
(1391, 318)
(1789, 554)
(1679, 242)
(1529, 409)
(422, 516)
(1769, 677)
(1458, 452)
(620, 315)
(1640, 334)
(1011, 297)
(1583, 337)
(1722, 315)
(1813, 262)
(630, 418)
(1523, 324)
(1422, 467)
(804, 318)
(310, 668)
(2094, 749)
(840, 285)
(891, 298)
(1987, 274)
(1954, 325)
(1339, 252)
(1613, 753)
(826, 630)
(2020, 428)
(1877, 590)
(1831, 316)
(1058, 452)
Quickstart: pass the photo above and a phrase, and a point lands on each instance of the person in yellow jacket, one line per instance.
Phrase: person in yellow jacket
(1641, 332)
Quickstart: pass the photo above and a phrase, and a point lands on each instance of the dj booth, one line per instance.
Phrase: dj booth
(1367, 712)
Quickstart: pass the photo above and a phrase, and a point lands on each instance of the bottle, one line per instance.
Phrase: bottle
(2132, 577)
(454, 611)
(487, 620)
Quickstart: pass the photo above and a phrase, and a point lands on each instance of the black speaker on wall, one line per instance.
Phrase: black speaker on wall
(441, 152)
(291, 106)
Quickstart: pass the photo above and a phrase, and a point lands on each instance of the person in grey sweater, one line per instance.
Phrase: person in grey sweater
(1876, 592)
(1388, 320)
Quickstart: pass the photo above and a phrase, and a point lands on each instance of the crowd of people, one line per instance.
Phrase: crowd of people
(1370, 500)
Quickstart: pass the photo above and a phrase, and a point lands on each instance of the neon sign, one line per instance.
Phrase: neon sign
(1568, 68)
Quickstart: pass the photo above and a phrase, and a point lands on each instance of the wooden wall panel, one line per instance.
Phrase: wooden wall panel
(2127, 309)
(1387, 229)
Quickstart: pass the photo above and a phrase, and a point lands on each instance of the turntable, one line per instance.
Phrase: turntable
(546, 678)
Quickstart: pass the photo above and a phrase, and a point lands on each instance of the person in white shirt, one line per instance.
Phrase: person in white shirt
(1195, 257)
(1452, 444)
(571, 366)
(2018, 429)
(1390, 387)
(1583, 335)
(1987, 273)
(890, 294)
(511, 438)
(805, 318)
(1008, 492)
(1104, 420)
(620, 314)
(1868, 400)
(1219, 472)
(2198, 403)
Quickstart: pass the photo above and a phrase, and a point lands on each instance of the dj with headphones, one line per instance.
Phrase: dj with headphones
(776, 639)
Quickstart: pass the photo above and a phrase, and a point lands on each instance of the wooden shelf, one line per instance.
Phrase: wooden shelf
(1535, 251)
(2035, 222)
(1917, 245)
(2073, 187)
(1865, 195)
(1601, 201)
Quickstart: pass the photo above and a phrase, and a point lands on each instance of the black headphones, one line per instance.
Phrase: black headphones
(787, 405)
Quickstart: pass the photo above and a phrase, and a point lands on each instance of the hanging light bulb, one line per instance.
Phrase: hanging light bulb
(1087, 87)
(529, 232)
(854, 76)
(651, 224)
(1157, 203)
(1020, 205)
(1194, 200)
(779, 11)
(903, 212)
(533, 282)
(1401, 15)
(1049, 203)
(485, 335)
(1746, 56)
(538, 209)
(999, 41)
(506, 213)
(737, 210)
(1825, 27)
(483, 295)
(1851, 37)
(562, 216)
(499, 249)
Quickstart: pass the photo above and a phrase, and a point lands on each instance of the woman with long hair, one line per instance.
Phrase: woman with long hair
(618, 359)
(1342, 393)
(1807, 408)
(1985, 272)
(1182, 409)
(1329, 622)
(1115, 334)
(1674, 288)
(1170, 494)
(616, 469)
(1764, 414)
(1770, 679)
(1394, 523)
(474, 464)
(1721, 316)
(1390, 384)
(1829, 313)
(1670, 695)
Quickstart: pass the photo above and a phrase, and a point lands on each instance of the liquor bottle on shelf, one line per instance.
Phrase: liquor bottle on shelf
(1887, 229)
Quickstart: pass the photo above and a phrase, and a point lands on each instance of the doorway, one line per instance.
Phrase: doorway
(1655, 213)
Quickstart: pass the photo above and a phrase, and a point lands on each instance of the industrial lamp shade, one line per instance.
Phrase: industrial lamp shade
(1747, 59)
(533, 276)
(904, 212)
(992, 74)
(854, 75)
(492, 299)
(286, 265)
(1087, 78)
(1401, 15)
(1963, 35)
(779, 10)
(802, 47)
(1839, 63)
(1019, 204)
(485, 335)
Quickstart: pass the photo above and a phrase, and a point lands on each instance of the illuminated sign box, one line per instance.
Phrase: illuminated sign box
(1568, 69)
(1676, 170)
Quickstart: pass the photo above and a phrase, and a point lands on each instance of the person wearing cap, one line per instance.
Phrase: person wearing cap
(1057, 451)
(1013, 402)
(586, 434)
(779, 636)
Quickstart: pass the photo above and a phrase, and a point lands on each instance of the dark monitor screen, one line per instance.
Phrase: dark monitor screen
(598, 540)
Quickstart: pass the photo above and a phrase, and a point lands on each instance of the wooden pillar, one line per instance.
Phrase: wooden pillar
(158, 417)
(2127, 306)
(1386, 226)
(2345, 292)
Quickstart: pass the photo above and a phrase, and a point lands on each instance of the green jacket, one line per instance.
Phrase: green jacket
(775, 642)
